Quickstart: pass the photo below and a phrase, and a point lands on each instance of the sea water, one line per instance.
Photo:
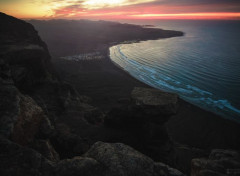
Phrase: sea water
(202, 67)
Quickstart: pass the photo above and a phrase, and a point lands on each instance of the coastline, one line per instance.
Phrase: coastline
(191, 126)
(105, 83)
(191, 131)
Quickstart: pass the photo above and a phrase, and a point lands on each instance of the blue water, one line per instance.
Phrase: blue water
(202, 67)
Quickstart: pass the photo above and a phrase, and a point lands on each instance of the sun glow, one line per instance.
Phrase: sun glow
(188, 16)
(95, 4)
(117, 9)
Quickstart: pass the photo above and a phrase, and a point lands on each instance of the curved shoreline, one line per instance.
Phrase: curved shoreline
(227, 111)
(196, 126)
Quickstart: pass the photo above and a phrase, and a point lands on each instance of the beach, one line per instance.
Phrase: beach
(106, 83)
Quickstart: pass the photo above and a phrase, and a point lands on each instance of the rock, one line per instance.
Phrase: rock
(147, 105)
(79, 166)
(210, 173)
(85, 99)
(9, 108)
(220, 162)
(61, 98)
(28, 121)
(24, 51)
(155, 102)
(46, 149)
(5, 73)
(20, 116)
(68, 144)
(142, 120)
(166, 170)
(184, 155)
(122, 160)
(218, 154)
(22, 161)
(46, 129)
(124, 100)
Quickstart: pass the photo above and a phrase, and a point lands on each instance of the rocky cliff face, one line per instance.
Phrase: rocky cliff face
(25, 53)
(142, 119)
(32, 142)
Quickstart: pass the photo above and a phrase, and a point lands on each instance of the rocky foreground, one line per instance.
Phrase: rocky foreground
(37, 108)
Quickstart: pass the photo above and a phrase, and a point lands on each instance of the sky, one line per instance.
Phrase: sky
(122, 9)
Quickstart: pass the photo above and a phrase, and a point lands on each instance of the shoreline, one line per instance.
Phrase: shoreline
(221, 115)
(105, 83)
(202, 115)
(192, 125)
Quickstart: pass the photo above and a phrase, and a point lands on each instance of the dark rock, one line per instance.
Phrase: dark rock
(20, 116)
(68, 144)
(45, 148)
(184, 155)
(28, 121)
(16, 160)
(220, 162)
(124, 100)
(9, 108)
(62, 99)
(46, 129)
(24, 51)
(147, 105)
(122, 160)
(155, 102)
(210, 173)
(142, 121)
(79, 166)
(85, 99)
(218, 154)
(164, 169)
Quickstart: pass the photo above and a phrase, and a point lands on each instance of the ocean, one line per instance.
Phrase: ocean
(202, 67)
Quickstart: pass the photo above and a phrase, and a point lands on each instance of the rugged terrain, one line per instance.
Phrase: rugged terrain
(48, 128)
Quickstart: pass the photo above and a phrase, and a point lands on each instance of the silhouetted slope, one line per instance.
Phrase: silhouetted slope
(69, 37)
(25, 52)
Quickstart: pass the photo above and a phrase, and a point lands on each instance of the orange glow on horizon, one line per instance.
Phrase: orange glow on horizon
(119, 9)
(221, 15)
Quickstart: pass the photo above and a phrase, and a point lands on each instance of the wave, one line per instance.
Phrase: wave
(161, 76)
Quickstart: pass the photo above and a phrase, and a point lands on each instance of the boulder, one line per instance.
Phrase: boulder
(121, 160)
(9, 108)
(79, 166)
(142, 121)
(20, 116)
(28, 121)
(220, 162)
(146, 105)
(68, 144)
(155, 102)
(46, 149)
(16, 160)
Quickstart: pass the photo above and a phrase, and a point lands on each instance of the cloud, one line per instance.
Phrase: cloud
(115, 8)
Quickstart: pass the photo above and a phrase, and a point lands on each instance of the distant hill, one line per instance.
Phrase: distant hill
(69, 37)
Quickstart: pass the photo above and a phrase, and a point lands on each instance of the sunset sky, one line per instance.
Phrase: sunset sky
(122, 9)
